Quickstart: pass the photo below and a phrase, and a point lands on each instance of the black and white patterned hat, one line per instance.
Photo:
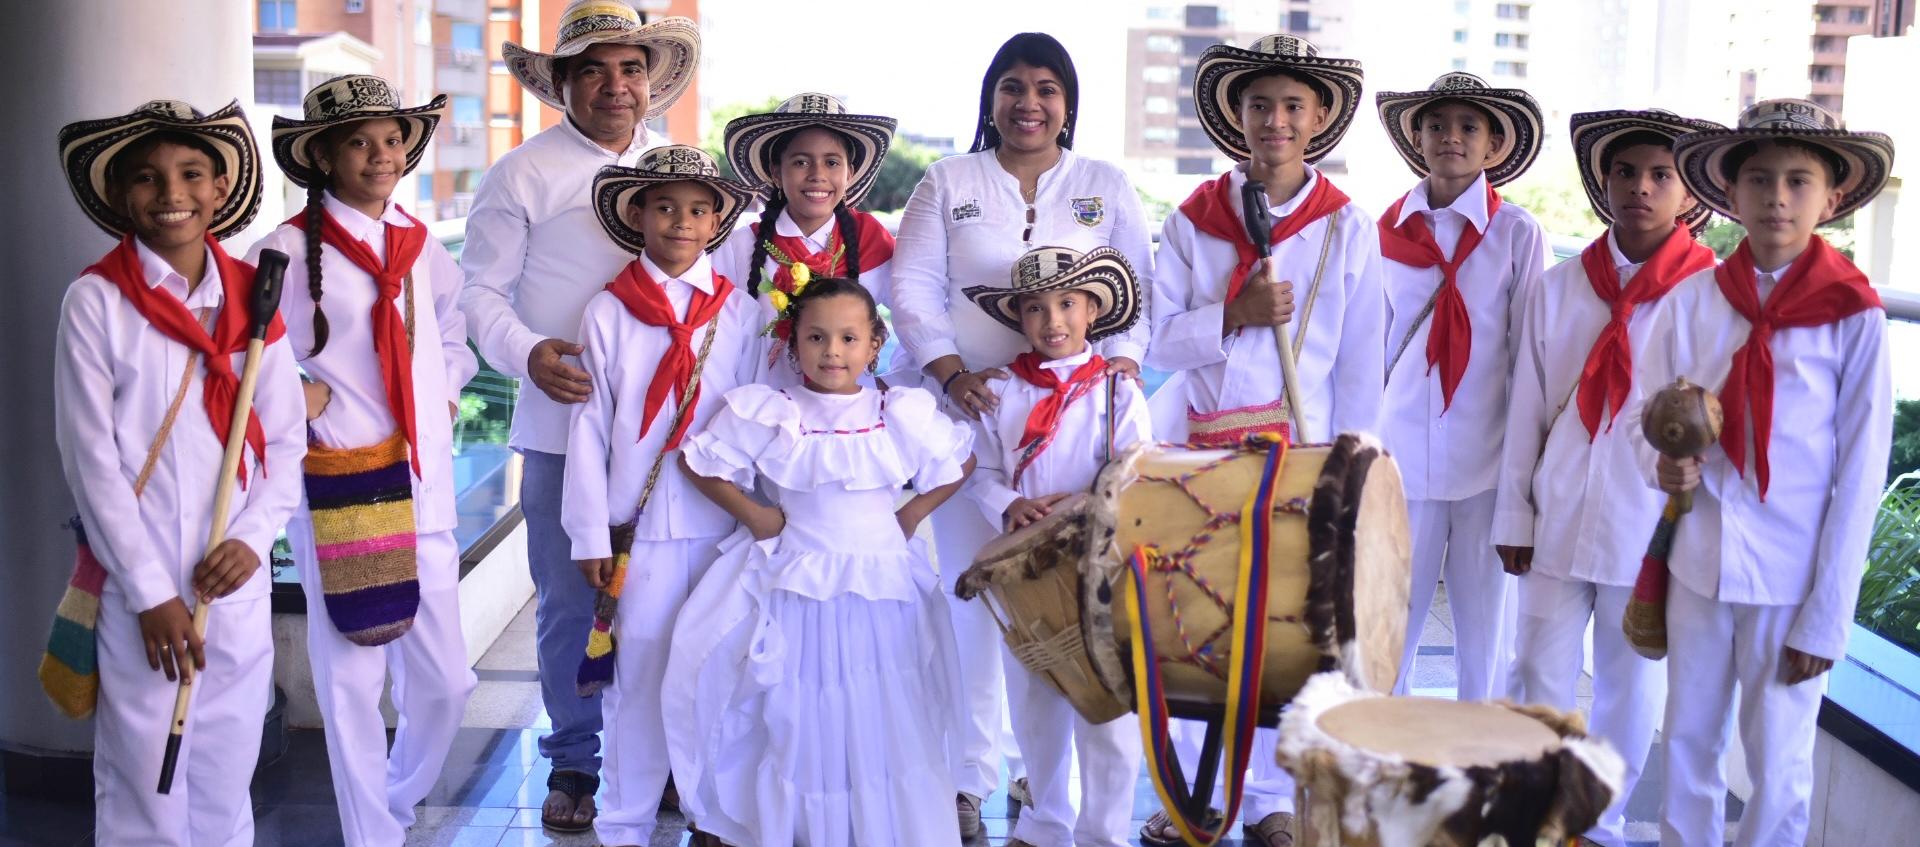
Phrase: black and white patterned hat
(1221, 64)
(750, 141)
(1865, 159)
(615, 187)
(1594, 132)
(1102, 272)
(1514, 110)
(87, 149)
(672, 45)
(342, 100)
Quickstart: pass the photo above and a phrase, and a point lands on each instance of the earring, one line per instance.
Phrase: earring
(989, 120)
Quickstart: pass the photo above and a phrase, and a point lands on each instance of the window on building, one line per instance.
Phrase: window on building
(355, 7)
(1186, 76)
(278, 16)
(1459, 63)
(1299, 21)
(1822, 43)
(467, 37)
(1461, 7)
(1459, 36)
(1159, 105)
(1163, 44)
(1830, 102)
(503, 13)
(1203, 17)
(1194, 164)
(1512, 11)
(1857, 15)
(1517, 40)
(1194, 45)
(277, 87)
(1188, 109)
(1193, 137)
(1160, 135)
(1518, 69)
(1159, 73)
(467, 110)
(1823, 14)
(1820, 73)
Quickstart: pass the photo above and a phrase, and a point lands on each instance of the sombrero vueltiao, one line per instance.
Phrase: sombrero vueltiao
(1865, 159)
(672, 45)
(1594, 132)
(88, 147)
(1518, 116)
(615, 188)
(342, 100)
(1102, 272)
(750, 140)
(1221, 64)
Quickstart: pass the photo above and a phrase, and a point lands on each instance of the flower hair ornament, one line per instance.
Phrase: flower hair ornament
(785, 288)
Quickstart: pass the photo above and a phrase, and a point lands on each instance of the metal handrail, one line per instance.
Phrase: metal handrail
(1901, 305)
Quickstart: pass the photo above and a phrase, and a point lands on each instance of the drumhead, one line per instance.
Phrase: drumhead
(1439, 733)
(1382, 576)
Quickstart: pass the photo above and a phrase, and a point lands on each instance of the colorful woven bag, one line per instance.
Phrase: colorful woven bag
(69, 672)
(361, 500)
(596, 670)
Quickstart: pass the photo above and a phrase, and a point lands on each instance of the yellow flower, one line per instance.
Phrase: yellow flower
(801, 276)
(779, 299)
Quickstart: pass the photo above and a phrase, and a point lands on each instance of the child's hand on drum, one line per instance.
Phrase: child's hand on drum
(1515, 560)
(1026, 510)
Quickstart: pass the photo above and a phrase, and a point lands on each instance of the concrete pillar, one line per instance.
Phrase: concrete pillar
(71, 60)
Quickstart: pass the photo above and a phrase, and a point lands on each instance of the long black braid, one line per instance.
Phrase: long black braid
(849, 239)
(316, 190)
(762, 236)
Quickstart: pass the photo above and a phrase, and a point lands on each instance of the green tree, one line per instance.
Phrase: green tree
(1725, 235)
(715, 142)
(905, 164)
(1906, 439)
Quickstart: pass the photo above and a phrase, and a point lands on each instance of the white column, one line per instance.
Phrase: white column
(67, 61)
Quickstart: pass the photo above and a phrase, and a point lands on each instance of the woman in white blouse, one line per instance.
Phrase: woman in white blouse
(1019, 188)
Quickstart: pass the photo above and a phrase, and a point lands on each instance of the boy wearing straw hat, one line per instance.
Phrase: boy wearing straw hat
(1460, 261)
(534, 256)
(1060, 418)
(146, 370)
(662, 343)
(371, 310)
(1571, 516)
(1219, 310)
(1766, 568)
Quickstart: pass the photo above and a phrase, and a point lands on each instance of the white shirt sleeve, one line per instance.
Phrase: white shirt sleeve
(920, 276)
(1132, 424)
(1186, 335)
(458, 357)
(493, 257)
(1131, 239)
(1529, 417)
(90, 456)
(1863, 424)
(1359, 368)
(990, 486)
(584, 513)
(272, 496)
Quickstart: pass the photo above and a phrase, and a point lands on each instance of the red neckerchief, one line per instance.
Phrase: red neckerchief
(1043, 422)
(647, 301)
(1819, 288)
(221, 389)
(1450, 338)
(876, 249)
(390, 346)
(1212, 212)
(1608, 373)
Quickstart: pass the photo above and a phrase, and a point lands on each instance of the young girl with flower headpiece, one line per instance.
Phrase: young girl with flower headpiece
(813, 671)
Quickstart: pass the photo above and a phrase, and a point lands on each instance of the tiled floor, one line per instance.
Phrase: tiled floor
(494, 781)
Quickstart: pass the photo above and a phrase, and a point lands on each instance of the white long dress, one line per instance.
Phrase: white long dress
(812, 675)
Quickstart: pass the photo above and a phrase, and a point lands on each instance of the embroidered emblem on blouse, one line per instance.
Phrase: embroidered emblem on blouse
(1089, 211)
(966, 211)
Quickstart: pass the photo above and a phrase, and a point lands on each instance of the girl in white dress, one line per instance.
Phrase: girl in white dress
(813, 670)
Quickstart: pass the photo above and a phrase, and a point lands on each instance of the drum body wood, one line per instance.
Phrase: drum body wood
(1384, 771)
(1338, 560)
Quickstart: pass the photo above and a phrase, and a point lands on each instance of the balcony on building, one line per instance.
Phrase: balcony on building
(1842, 19)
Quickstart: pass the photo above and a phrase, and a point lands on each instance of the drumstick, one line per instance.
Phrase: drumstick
(266, 302)
(1253, 205)
(1681, 421)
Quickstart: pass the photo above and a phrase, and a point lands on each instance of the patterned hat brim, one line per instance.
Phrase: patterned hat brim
(88, 147)
(1593, 132)
(673, 53)
(292, 147)
(1102, 272)
(615, 187)
(1519, 117)
(1866, 162)
(750, 141)
(1221, 64)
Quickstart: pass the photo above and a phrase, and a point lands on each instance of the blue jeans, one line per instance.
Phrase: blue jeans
(563, 614)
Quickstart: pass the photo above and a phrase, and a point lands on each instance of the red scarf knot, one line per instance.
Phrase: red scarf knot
(647, 301)
(1211, 209)
(1043, 422)
(1607, 376)
(1450, 336)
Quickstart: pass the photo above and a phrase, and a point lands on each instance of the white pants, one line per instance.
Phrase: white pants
(1713, 646)
(1268, 789)
(660, 575)
(210, 805)
(959, 531)
(1628, 690)
(375, 789)
(1452, 538)
(1050, 733)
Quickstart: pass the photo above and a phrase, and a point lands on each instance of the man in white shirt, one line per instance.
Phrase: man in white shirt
(535, 254)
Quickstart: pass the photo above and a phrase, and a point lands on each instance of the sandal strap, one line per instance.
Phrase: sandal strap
(574, 784)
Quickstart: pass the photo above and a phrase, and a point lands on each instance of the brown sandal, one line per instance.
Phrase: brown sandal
(1159, 830)
(576, 787)
(1275, 830)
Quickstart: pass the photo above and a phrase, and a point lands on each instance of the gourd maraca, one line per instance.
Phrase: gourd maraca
(1681, 421)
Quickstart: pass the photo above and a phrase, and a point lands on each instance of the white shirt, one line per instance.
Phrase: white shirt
(1455, 455)
(607, 457)
(358, 414)
(1832, 430)
(732, 258)
(1340, 363)
(1579, 501)
(962, 228)
(1079, 446)
(114, 375)
(535, 254)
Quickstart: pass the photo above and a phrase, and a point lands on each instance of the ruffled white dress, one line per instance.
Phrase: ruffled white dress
(812, 675)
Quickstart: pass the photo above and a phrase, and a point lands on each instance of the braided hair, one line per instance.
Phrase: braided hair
(316, 191)
(843, 219)
(835, 286)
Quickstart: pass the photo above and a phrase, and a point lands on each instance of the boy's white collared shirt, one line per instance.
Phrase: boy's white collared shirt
(1832, 430)
(1580, 502)
(535, 253)
(1079, 445)
(1455, 455)
(963, 227)
(114, 377)
(607, 458)
(358, 414)
(1340, 361)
